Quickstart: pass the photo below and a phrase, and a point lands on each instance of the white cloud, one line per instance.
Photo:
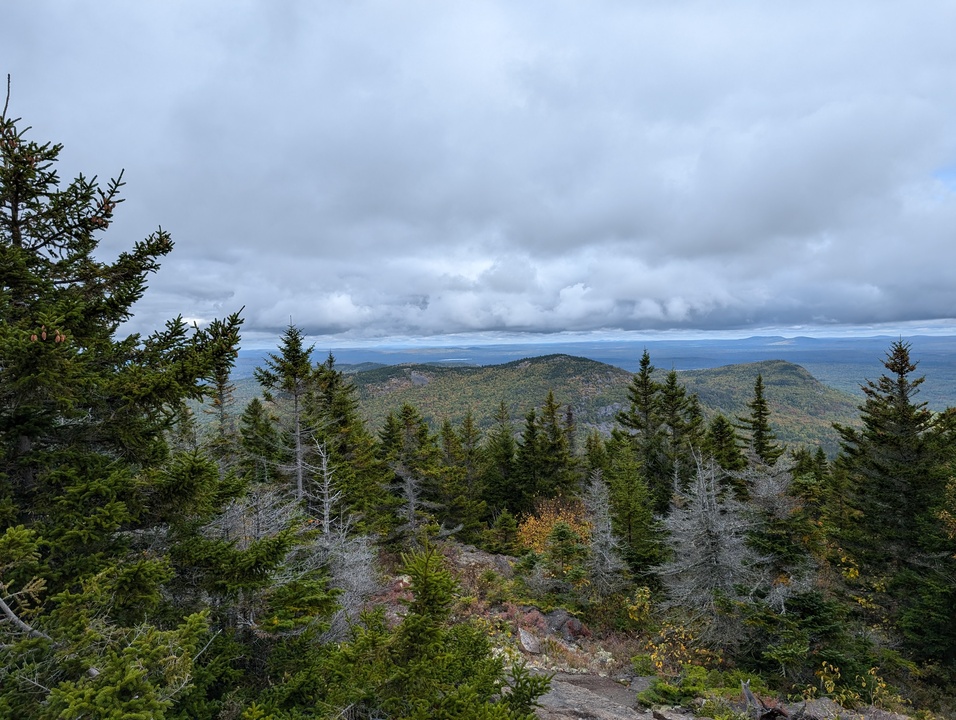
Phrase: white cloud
(382, 169)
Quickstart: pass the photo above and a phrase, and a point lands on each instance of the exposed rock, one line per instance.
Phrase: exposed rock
(821, 709)
(569, 627)
(585, 699)
(668, 714)
(875, 713)
(529, 643)
(826, 709)
(468, 556)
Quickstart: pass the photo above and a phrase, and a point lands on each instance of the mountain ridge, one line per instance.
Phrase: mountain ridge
(803, 408)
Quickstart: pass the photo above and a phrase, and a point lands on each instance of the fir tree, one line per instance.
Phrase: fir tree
(757, 426)
(897, 465)
(85, 414)
(896, 484)
(285, 382)
(643, 424)
(500, 470)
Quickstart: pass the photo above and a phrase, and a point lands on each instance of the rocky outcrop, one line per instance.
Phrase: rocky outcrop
(589, 697)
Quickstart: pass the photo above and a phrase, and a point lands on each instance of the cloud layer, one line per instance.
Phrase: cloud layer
(409, 168)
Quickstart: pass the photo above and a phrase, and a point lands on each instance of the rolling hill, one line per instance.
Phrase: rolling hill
(803, 407)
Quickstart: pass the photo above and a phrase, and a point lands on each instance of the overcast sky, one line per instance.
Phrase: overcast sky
(388, 169)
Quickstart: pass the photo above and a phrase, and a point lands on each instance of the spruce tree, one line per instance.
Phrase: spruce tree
(643, 424)
(411, 452)
(631, 507)
(333, 416)
(285, 381)
(896, 485)
(757, 426)
(457, 485)
(85, 413)
(529, 466)
(897, 465)
(499, 469)
(559, 472)
(642, 418)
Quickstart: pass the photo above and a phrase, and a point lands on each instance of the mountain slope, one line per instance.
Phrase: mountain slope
(803, 408)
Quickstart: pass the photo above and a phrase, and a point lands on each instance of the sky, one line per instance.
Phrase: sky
(374, 171)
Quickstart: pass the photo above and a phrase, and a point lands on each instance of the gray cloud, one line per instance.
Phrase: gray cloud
(382, 169)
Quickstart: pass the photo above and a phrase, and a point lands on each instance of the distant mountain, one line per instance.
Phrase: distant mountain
(803, 407)
(843, 363)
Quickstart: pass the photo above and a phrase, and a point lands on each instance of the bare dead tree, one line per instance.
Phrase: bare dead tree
(350, 559)
(606, 567)
(710, 558)
(325, 494)
(770, 500)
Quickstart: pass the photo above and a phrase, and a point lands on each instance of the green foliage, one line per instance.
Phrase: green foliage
(88, 481)
(286, 381)
(632, 509)
(897, 469)
(501, 491)
(428, 667)
(723, 445)
(761, 438)
(695, 682)
(803, 408)
(336, 424)
(502, 537)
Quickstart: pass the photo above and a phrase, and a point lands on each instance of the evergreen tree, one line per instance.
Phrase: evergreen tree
(897, 465)
(559, 474)
(632, 509)
(462, 505)
(595, 452)
(259, 442)
(285, 382)
(643, 424)
(682, 425)
(85, 414)
(428, 667)
(333, 414)
(500, 469)
(757, 425)
(722, 443)
(642, 418)
(224, 438)
(530, 466)
(896, 484)
(412, 453)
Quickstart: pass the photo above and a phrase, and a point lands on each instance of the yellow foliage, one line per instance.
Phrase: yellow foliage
(533, 531)
(675, 647)
(638, 605)
(869, 689)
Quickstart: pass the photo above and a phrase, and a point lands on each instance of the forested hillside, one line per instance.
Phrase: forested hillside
(288, 559)
(804, 409)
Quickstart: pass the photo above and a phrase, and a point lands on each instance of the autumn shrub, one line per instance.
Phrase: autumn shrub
(535, 529)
